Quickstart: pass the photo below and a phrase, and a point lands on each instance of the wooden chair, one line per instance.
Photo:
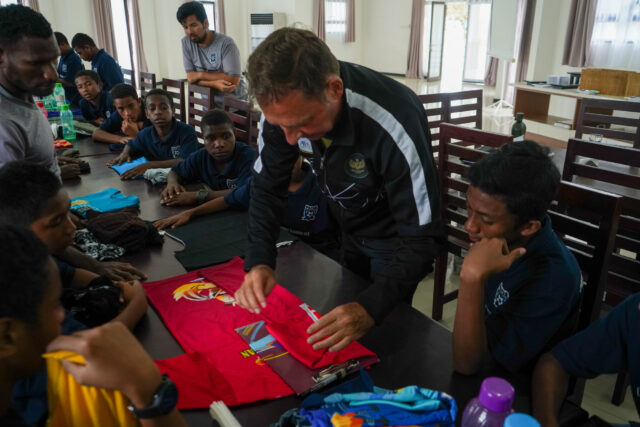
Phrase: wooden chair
(617, 171)
(146, 83)
(436, 108)
(175, 88)
(129, 76)
(595, 116)
(199, 101)
(245, 119)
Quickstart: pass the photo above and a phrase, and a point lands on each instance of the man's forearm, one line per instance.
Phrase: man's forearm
(100, 135)
(549, 388)
(469, 333)
(206, 76)
(154, 164)
(79, 260)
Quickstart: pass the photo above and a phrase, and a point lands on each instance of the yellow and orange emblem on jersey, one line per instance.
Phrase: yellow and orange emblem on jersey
(199, 290)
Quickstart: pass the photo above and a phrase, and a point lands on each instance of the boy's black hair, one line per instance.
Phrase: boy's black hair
(215, 117)
(161, 92)
(18, 21)
(81, 40)
(89, 73)
(60, 38)
(522, 175)
(123, 90)
(23, 272)
(191, 8)
(25, 188)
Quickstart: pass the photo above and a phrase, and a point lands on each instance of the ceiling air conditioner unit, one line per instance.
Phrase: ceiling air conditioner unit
(263, 24)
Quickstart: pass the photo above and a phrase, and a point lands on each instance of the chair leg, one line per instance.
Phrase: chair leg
(622, 382)
(438, 286)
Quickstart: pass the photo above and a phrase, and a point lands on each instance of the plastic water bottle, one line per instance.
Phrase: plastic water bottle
(492, 405)
(47, 102)
(66, 117)
(519, 129)
(40, 105)
(520, 420)
(58, 94)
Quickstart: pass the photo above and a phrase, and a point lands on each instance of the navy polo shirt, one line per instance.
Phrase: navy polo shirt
(103, 109)
(113, 123)
(108, 69)
(66, 271)
(68, 67)
(201, 166)
(607, 346)
(181, 141)
(528, 304)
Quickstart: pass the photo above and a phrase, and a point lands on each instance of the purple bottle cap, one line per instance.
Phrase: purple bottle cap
(496, 394)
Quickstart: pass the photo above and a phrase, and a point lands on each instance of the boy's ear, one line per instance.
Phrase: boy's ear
(9, 335)
(530, 228)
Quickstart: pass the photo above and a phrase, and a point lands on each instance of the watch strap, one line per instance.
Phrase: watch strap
(164, 400)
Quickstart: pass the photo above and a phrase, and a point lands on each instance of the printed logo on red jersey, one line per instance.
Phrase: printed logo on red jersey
(201, 290)
(314, 315)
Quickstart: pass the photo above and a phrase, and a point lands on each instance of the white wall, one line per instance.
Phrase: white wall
(387, 27)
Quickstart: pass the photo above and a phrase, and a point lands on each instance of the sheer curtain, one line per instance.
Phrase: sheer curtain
(221, 25)
(414, 59)
(135, 36)
(615, 41)
(318, 19)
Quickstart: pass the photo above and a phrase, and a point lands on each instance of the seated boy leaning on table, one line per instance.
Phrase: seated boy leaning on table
(223, 164)
(519, 284)
(305, 210)
(30, 317)
(23, 200)
(167, 142)
(127, 120)
(608, 346)
(42, 205)
(96, 105)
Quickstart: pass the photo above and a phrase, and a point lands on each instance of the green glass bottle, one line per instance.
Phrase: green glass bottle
(519, 129)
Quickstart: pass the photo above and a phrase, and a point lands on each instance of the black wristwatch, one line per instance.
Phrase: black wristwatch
(164, 400)
(201, 195)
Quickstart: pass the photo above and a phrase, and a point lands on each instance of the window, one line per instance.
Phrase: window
(121, 34)
(615, 41)
(8, 2)
(335, 16)
(210, 8)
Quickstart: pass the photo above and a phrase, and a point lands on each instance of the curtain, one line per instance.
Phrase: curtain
(509, 93)
(492, 71)
(525, 41)
(221, 24)
(33, 4)
(350, 34)
(318, 19)
(414, 60)
(134, 34)
(104, 26)
(615, 41)
(579, 30)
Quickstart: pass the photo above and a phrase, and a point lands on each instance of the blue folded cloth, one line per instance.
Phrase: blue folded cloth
(128, 165)
(109, 200)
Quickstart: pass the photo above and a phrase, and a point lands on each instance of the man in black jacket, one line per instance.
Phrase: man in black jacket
(370, 147)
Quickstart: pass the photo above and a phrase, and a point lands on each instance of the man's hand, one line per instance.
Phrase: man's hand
(171, 190)
(186, 198)
(114, 360)
(69, 171)
(125, 139)
(130, 290)
(257, 284)
(119, 271)
(129, 128)
(173, 221)
(122, 158)
(488, 257)
(98, 121)
(224, 86)
(341, 326)
(135, 172)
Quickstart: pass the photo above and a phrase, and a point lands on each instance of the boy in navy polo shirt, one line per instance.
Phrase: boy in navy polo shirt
(168, 141)
(68, 66)
(519, 284)
(101, 62)
(95, 104)
(608, 346)
(305, 210)
(223, 164)
(127, 120)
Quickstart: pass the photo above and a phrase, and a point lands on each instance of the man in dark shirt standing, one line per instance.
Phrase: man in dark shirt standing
(101, 62)
(371, 149)
(68, 66)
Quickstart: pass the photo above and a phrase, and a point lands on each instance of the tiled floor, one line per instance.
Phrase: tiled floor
(597, 397)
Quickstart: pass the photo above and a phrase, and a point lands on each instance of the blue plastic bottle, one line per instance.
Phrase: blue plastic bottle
(59, 95)
(520, 420)
(492, 405)
(66, 117)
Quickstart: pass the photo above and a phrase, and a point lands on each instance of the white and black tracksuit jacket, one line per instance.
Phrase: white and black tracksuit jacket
(379, 177)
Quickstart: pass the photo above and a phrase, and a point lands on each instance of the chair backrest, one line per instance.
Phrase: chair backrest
(128, 77)
(199, 101)
(453, 107)
(615, 169)
(597, 115)
(245, 119)
(146, 83)
(175, 89)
